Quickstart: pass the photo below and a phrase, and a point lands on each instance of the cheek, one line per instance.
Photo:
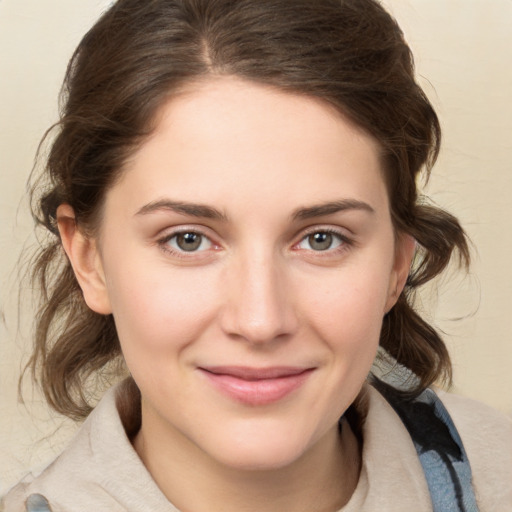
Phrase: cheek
(159, 309)
(348, 312)
(352, 303)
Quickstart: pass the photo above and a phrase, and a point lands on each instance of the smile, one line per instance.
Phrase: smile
(256, 386)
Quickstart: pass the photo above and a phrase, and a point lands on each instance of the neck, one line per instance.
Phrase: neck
(322, 480)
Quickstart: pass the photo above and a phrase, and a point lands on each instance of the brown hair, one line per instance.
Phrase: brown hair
(350, 53)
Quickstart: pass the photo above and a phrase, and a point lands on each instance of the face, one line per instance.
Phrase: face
(248, 257)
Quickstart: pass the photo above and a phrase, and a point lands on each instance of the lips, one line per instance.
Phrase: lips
(256, 386)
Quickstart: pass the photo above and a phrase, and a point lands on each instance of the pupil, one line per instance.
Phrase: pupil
(189, 241)
(320, 241)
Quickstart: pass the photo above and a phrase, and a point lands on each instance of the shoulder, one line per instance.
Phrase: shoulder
(477, 421)
(69, 475)
(81, 476)
(487, 438)
(99, 470)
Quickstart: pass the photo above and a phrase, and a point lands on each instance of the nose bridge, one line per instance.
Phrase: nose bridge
(258, 308)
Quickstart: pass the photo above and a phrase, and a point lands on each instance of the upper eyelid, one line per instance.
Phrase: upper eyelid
(342, 232)
(162, 242)
(171, 231)
(347, 239)
(173, 234)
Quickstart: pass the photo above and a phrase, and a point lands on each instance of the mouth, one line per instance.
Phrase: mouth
(256, 386)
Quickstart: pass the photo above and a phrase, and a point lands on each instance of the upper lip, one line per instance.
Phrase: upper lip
(251, 373)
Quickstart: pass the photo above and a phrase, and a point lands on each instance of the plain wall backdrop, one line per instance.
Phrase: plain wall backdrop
(463, 51)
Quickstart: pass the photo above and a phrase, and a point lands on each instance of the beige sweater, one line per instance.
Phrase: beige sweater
(100, 471)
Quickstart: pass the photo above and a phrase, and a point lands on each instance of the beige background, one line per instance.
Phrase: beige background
(463, 52)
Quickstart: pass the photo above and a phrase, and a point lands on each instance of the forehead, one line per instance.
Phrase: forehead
(252, 141)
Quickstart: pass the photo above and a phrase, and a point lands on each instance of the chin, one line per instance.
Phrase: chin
(261, 451)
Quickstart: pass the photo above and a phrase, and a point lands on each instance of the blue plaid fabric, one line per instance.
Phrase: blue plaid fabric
(439, 448)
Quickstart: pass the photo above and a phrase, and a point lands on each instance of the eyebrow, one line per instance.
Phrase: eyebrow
(330, 208)
(208, 212)
(193, 209)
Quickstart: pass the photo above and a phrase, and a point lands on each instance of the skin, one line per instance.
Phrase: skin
(257, 292)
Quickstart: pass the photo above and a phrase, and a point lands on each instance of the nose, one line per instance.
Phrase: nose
(259, 307)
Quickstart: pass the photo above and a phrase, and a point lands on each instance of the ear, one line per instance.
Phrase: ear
(84, 257)
(404, 253)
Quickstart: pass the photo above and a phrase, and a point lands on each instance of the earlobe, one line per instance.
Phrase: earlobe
(84, 257)
(406, 247)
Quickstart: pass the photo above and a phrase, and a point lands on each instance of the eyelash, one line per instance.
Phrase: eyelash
(166, 247)
(344, 242)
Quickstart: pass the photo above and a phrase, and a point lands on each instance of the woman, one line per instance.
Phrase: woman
(233, 214)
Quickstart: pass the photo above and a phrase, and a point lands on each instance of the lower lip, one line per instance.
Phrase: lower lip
(257, 392)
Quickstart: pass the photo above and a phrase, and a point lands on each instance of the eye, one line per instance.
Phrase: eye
(188, 241)
(321, 241)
